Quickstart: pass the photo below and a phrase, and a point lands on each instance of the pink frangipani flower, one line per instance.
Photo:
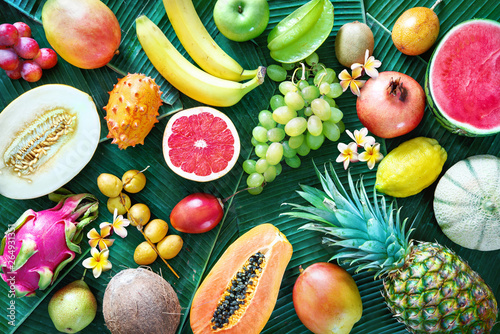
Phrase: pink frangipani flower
(347, 154)
(371, 155)
(361, 137)
(98, 262)
(351, 81)
(96, 238)
(370, 66)
(119, 224)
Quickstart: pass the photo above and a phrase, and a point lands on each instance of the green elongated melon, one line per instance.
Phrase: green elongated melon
(462, 79)
(467, 203)
(48, 135)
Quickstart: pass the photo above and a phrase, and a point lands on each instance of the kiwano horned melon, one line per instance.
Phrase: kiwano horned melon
(132, 109)
(240, 292)
(462, 79)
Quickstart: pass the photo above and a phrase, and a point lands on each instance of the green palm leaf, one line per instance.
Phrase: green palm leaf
(164, 189)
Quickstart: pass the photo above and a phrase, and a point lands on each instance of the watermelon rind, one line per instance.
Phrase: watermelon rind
(450, 124)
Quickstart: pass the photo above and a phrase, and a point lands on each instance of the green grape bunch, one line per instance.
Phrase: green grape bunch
(300, 118)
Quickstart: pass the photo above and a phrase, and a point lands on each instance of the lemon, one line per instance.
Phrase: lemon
(411, 167)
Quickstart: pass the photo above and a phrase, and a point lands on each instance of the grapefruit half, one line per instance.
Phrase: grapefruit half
(200, 144)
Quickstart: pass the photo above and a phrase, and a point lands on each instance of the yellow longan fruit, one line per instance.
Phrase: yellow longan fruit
(133, 181)
(170, 246)
(156, 230)
(141, 214)
(121, 203)
(144, 254)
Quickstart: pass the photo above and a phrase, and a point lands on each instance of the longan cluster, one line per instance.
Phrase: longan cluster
(139, 214)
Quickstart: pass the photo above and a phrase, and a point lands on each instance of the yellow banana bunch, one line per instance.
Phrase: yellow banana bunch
(185, 76)
(200, 45)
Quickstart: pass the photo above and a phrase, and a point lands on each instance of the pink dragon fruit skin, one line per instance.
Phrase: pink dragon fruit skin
(39, 244)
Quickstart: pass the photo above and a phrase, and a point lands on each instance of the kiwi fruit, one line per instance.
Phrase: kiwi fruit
(351, 42)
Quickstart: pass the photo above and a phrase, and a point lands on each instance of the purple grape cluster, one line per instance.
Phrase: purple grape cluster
(20, 54)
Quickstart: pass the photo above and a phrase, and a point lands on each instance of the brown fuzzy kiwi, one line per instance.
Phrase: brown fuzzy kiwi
(140, 301)
(351, 43)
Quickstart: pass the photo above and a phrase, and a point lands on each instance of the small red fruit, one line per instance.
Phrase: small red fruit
(197, 213)
(23, 29)
(46, 58)
(31, 71)
(326, 299)
(27, 48)
(15, 74)
(391, 105)
(8, 34)
(9, 60)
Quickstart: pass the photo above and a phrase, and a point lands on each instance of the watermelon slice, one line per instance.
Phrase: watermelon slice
(462, 81)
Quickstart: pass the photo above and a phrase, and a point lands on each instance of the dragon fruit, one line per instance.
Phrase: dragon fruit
(39, 244)
(132, 109)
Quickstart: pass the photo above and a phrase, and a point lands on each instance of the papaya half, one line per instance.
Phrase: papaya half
(240, 292)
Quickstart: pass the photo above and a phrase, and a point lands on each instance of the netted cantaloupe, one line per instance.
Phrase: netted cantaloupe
(467, 203)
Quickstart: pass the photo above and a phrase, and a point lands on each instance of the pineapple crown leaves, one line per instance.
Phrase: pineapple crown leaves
(370, 235)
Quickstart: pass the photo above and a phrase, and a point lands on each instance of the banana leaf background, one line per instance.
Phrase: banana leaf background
(164, 188)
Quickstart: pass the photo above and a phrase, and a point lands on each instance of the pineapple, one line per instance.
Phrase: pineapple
(426, 285)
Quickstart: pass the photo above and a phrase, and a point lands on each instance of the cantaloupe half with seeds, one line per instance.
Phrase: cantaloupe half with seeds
(467, 203)
(240, 292)
(462, 79)
(48, 135)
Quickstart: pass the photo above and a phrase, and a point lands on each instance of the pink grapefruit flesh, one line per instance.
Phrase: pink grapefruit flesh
(200, 144)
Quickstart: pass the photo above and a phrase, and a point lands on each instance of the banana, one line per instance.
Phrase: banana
(184, 75)
(200, 45)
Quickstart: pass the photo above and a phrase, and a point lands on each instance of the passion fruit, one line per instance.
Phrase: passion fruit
(351, 43)
(416, 30)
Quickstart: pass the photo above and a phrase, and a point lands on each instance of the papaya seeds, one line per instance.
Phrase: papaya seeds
(140, 301)
(351, 43)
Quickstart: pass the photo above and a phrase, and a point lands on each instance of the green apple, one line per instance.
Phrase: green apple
(241, 20)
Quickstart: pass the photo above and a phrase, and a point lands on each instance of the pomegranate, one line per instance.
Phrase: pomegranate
(197, 213)
(326, 299)
(391, 105)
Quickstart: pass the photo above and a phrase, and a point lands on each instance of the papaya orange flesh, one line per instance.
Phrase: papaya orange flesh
(261, 253)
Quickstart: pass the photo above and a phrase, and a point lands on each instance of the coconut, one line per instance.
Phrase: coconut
(140, 301)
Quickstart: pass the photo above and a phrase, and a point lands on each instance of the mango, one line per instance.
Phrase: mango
(85, 33)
